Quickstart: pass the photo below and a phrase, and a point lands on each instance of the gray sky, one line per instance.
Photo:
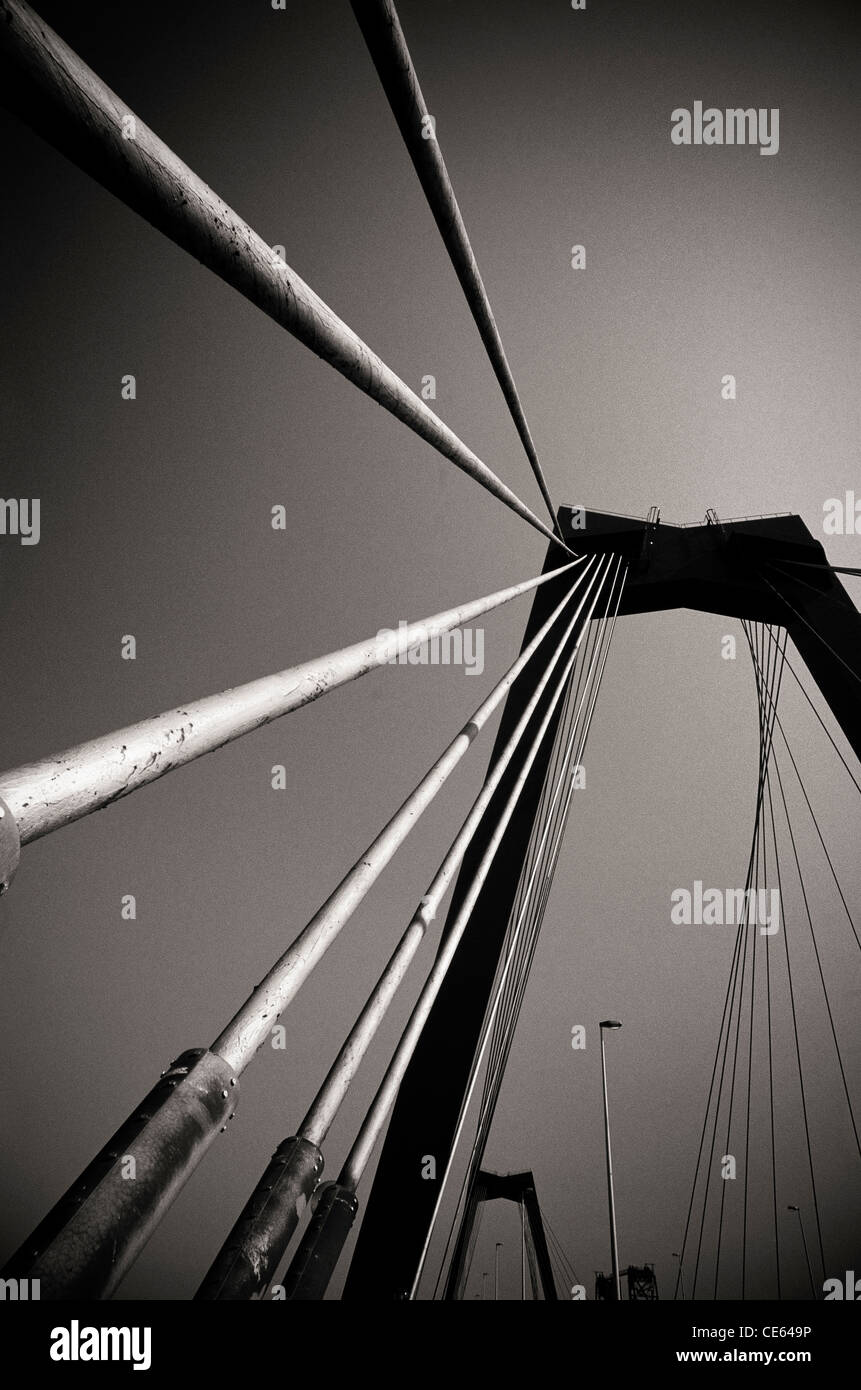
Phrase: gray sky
(155, 521)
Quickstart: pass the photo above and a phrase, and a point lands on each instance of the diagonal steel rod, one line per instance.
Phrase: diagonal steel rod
(324, 1108)
(45, 795)
(579, 738)
(382, 32)
(317, 1254)
(359, 1155)
(251, 1026)
(48, 85)
(248, 1259)
(85, 1244)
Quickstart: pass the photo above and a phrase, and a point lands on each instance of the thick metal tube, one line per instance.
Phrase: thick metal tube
(245, 1266)
(85, 1244)
(45, 795)
(319, 1250)
(372, 1126)
(380, 26)
(248, 1261)
(10, 846)
(250, 1027)
(52, 89)
(85, 1256)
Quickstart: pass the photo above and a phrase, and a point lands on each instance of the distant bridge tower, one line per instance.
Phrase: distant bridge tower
(517, 1187)
(642, 1284)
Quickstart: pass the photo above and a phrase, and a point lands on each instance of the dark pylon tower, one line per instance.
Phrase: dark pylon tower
(488, 1187)
(768, 570)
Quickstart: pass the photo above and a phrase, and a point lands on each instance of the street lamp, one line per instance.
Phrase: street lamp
(804, 1243)
(614, 1250)
(496, 1271)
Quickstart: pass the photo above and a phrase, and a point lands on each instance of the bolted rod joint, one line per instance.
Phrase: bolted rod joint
(85, 1245)
(320, 1248)
(248, 1260)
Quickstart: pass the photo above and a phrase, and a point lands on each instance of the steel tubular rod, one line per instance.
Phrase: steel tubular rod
(49, 87)
(318, 1251)
(574, 752)
(90, 1238)
(248, 1260)
(313, 1264)
(250, 1027)
(371, 1128)
(45, 795)
(325, 1106)
(382, 32)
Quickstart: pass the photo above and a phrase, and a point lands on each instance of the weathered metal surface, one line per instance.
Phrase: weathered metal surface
(10, 846)
(320, 1248)
(45, 83)
(72, 1248)
(85, 1244)
(248, 1260)
(45, 795)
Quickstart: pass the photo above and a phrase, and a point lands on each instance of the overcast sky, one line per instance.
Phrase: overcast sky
(701, 261)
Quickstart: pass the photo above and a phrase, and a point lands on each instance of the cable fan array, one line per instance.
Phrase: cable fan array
(529, 906)
(736, 1235)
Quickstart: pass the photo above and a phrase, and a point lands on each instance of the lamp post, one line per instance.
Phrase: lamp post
(496, 1270)
(804, 1243)
(614, 1249)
